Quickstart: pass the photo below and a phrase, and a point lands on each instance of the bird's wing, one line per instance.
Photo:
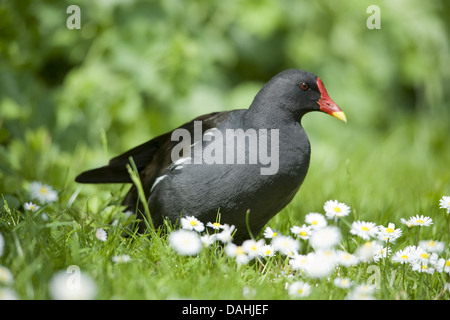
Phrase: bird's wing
(145, 156)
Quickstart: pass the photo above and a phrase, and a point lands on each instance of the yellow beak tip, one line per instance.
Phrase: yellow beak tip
(340, 115)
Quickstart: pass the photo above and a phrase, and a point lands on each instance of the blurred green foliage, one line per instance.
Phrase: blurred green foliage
(136, 69)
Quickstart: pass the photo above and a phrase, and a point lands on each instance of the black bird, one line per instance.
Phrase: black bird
(230, 162)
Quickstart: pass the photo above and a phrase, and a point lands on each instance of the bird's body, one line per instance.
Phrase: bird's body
(229, 162)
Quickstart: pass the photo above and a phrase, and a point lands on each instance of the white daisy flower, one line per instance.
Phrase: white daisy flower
(388, 233)
(43, 193)
(124, 258)
(367, 251)
(192, 223)
(298, 261)
(364, 229)
(267, 250)
(66, 285)
(347, 259)
(335, 209)
(325, 238)
(407, 223)
(30, 206)
(227, 233)
(422, 267)
(444, 203)
(269, 233)
(316, 220)
(443, 265)
(343, 283)
(286, 245)
(214, 225)
(361, 292)
(234, 251)
(421, 221)
(185, 242)
(432, 245)
(299, 289)
(382, 252)
(208, 239)
(320, 264)
(302, 232)
(6, 276)
(253, 248)
(406, 255)
(101, 234)
(425, 257)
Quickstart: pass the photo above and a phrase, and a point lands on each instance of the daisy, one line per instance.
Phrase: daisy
(389, 233)
(405, 255)
(361, 292)
(302, 232)
(267, 250)
(425, 257)
(443, 265)
(408, 223)
(421, 221)
(253, 248)
(432, 246)
(192, 223)
(43, 193)
(316, 220)
(30, 206)
(101, 234)
(325, 238)
(185, 242)
(227, 233)
(343, 283)
(335, 209)
(298, 261)
(6, 276)
(346, 259)
(214, 225)
(382, 253)
(208, 239)
(363, 229)
(285, 245)
(75, 285)
(444, 203)
(269, 233)
(320, 264)
(299, 289)
(422, 267)
(367, 251)
(124, 258)
(234, 251)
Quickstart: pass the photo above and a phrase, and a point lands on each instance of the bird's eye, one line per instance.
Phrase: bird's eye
(304, 86)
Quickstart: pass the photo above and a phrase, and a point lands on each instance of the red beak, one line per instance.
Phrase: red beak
(327, 105)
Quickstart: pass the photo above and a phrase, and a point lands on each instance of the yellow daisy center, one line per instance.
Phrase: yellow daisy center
(337, 209)
(447, 263)
(216, 224)
(419, 221)
(314, 222)
(424, 255)
(389, 230)
(404, 256)
(193, 223)
(303, 233)
(43, 190)
(364, 228)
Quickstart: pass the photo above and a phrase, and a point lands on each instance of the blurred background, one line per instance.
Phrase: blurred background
(72, 99)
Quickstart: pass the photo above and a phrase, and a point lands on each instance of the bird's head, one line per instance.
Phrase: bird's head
(298, 92)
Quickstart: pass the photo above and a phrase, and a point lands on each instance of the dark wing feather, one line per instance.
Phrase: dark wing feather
(143, 156)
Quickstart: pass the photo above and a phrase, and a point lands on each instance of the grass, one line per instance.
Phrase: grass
(383, 175)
